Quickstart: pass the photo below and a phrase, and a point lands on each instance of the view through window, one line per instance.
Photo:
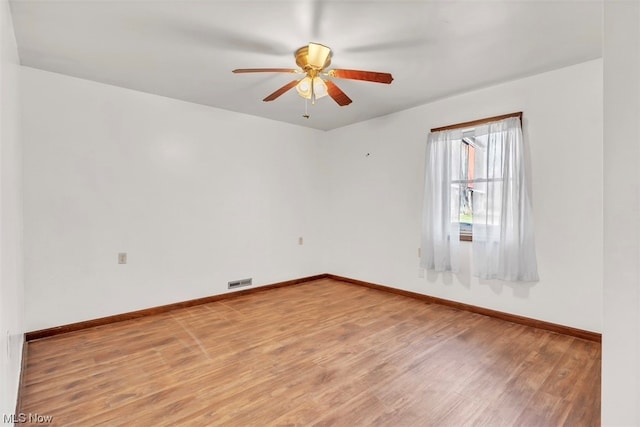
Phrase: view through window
(463, 187)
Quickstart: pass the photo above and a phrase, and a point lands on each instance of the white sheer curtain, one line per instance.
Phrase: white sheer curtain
(503, 243)
(441, 236)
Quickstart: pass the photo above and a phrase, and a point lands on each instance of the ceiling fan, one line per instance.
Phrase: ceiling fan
(313, 61)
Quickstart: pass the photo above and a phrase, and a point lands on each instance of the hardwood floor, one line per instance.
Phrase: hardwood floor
(324, 353)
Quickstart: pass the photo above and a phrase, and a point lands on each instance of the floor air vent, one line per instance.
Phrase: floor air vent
(239, 283)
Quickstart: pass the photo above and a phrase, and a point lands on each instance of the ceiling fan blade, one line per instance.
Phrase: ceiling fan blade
(395, 45)
(337, 94)
(265, 70)
(369, 76)
(209, 36)
(280, 91)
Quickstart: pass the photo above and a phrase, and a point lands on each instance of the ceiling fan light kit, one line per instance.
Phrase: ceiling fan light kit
(306, 90)
(313, 61)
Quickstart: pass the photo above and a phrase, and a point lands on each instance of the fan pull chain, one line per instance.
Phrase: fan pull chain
(306, 113)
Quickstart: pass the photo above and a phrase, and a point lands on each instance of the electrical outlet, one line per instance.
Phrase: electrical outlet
(122, 258)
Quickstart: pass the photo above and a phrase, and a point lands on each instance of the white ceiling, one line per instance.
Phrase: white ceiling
(186, 49)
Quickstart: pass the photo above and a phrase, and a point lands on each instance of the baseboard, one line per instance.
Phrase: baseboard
(49, 332)
(561, 329)
(23, 369)
(566, 330)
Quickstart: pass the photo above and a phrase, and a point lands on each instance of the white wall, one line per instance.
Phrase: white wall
(195, 195)
(621, 336)
(375, 232)
(11, 281)
(198, 196)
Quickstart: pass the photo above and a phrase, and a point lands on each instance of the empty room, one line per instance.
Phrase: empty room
(331, 213)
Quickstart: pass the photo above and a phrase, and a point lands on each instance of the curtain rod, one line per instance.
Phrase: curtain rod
(479, 122)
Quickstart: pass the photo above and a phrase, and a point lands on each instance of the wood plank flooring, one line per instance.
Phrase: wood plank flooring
(324, 353)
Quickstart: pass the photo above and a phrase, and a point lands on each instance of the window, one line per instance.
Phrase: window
(475, 189)
(463, 177)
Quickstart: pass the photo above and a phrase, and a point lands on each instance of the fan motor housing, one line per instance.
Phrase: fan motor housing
(302, 59)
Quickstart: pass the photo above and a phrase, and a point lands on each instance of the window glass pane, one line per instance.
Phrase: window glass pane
(467, 154)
